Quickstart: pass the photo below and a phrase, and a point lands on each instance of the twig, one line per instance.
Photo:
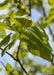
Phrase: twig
(17, 61)
(51, 33)
(52, 58)
(30, 7)
(18, 54)
(44, 14)
(2, 64)
(22, 67)
(18, 48)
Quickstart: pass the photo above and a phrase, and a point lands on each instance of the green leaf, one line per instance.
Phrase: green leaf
(22, 12)
(24, 20)
(0, 69)
(2, 30)
(7, 47)
(4, 25)
(37, 41)
(4, 7)
(14, 36)
(5, 40)
(37, 3)
(3, 3)
(8, 68)
(15, 73)
(51, 2)
(10, 1)
(20, 23)
(44, 22)
(51, 15)
(2, 33)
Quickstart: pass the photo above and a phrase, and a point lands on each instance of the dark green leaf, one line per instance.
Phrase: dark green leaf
(24, 20)
(5, 40)
(37, 40)
(7, 47)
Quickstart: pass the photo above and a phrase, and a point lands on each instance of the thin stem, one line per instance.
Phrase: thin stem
(18, 57)
(18, 47)
(44, 14)
(18, 50)
(52, 58)
(2, 64)
(17, 61)
(30, 7)
(51, 33)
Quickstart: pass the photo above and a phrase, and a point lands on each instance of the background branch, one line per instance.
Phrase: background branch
(2, 64)
(44, 14)
(30, 7)
(51, 33)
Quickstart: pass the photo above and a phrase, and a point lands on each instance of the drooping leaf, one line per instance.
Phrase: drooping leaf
(7, 47)
(5, 40)
(37, 41)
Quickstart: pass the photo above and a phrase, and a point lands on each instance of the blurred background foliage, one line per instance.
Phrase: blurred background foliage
(18, 20)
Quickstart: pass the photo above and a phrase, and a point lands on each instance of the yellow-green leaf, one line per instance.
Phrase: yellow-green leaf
(0, 69)
(51, 2)
(4, 25)
(8, 68)
(15, 73)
